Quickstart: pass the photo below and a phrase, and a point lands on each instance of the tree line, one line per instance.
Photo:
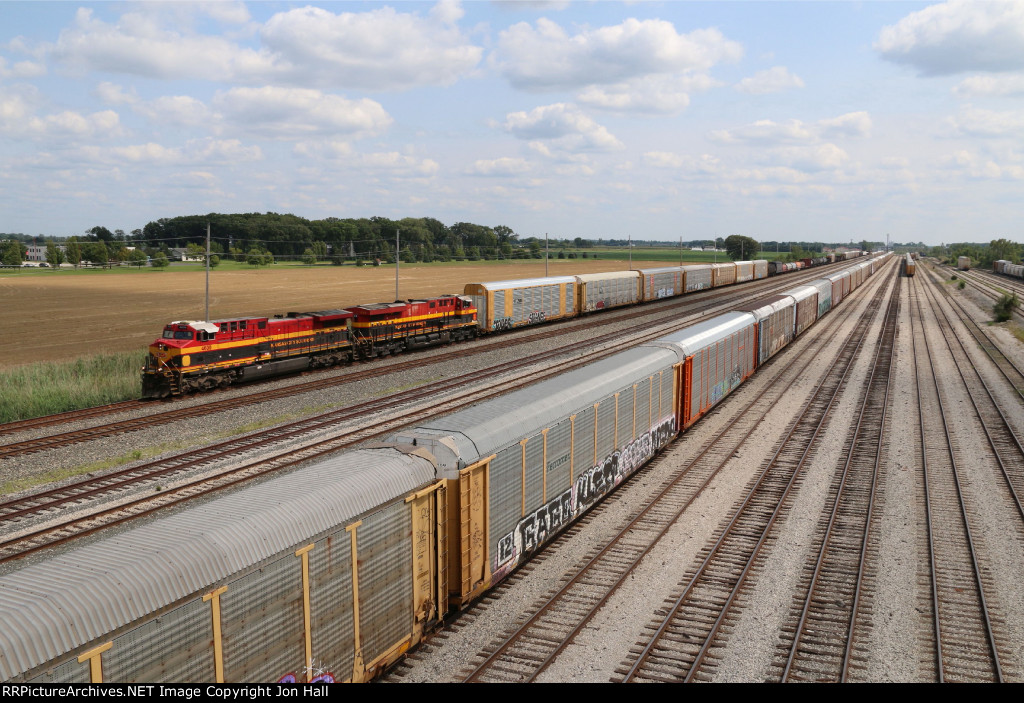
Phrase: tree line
(262, 238)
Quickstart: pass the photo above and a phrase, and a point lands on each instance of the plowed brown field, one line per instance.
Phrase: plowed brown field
(58, 315)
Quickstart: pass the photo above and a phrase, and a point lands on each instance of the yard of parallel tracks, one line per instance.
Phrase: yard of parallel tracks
(43, 518)
(888, 603)
(836, 571)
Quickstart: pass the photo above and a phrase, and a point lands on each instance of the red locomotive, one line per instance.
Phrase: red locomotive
(200, 356)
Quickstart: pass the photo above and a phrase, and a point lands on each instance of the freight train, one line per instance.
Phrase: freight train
(194, 356)
(1008, 268)
(334, 571)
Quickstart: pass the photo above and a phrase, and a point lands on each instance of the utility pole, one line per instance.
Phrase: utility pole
(545, 255)
(207, 271)
(630, 240)
(680, 251)
(397, 258)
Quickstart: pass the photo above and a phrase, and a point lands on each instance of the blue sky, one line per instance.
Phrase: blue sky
(791, 121)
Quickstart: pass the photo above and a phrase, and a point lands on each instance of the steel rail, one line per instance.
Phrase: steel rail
(884, 349)
(1012, 436)
(976, 573)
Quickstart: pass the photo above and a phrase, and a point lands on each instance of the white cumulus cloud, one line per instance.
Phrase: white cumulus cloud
(820, 157)
(991, 86)
(179, 110)
(564, 126)
(773, 80)
(21, 69)
(194, 152)
(769, 132)
(292, 113)
(852, 124)
(977, 122)
(139, 45)
(958, 36)
(504, 166)
(381, 49)
(546, 57)
(664, 95)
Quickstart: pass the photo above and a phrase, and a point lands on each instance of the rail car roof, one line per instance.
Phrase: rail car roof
(524, 282)
(607, 276)
(691, 340)
(662, 269)
(490, 426)
(52, 608)
(764, 307)
(801, 292)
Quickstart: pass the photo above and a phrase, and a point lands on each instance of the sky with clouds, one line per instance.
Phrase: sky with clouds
(792, 120)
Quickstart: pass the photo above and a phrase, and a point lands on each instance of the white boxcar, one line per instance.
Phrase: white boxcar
(696, 277)
(760, 269)
(720, 354)
(502, 305)
(723, 274)
(775, 317)
(806, 298)
(599, 291)
(664, 282)
(824, 286)
(744, 271)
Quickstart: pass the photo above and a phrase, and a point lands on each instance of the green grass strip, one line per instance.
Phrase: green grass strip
(45, 388)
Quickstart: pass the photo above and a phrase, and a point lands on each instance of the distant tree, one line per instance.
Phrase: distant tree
(95, 252)
(54, 255)
(214, 261)
(137, 257)
(101, 233)
(160, 261)
(73, 251)
(308, 257)
(12, 254)
(740, 248)
(1004, 249)
(259, 257)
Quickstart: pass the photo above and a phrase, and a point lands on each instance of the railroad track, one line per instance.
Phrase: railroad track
(826, 611)
(71, 416)
(527, 651)
(1005, 444)
(994, 286)
(696, 305)
(965, 644)
(678, 646)
(1011, 372)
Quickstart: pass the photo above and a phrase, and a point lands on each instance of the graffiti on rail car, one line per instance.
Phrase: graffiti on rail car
(534, 529)
(319, 677)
